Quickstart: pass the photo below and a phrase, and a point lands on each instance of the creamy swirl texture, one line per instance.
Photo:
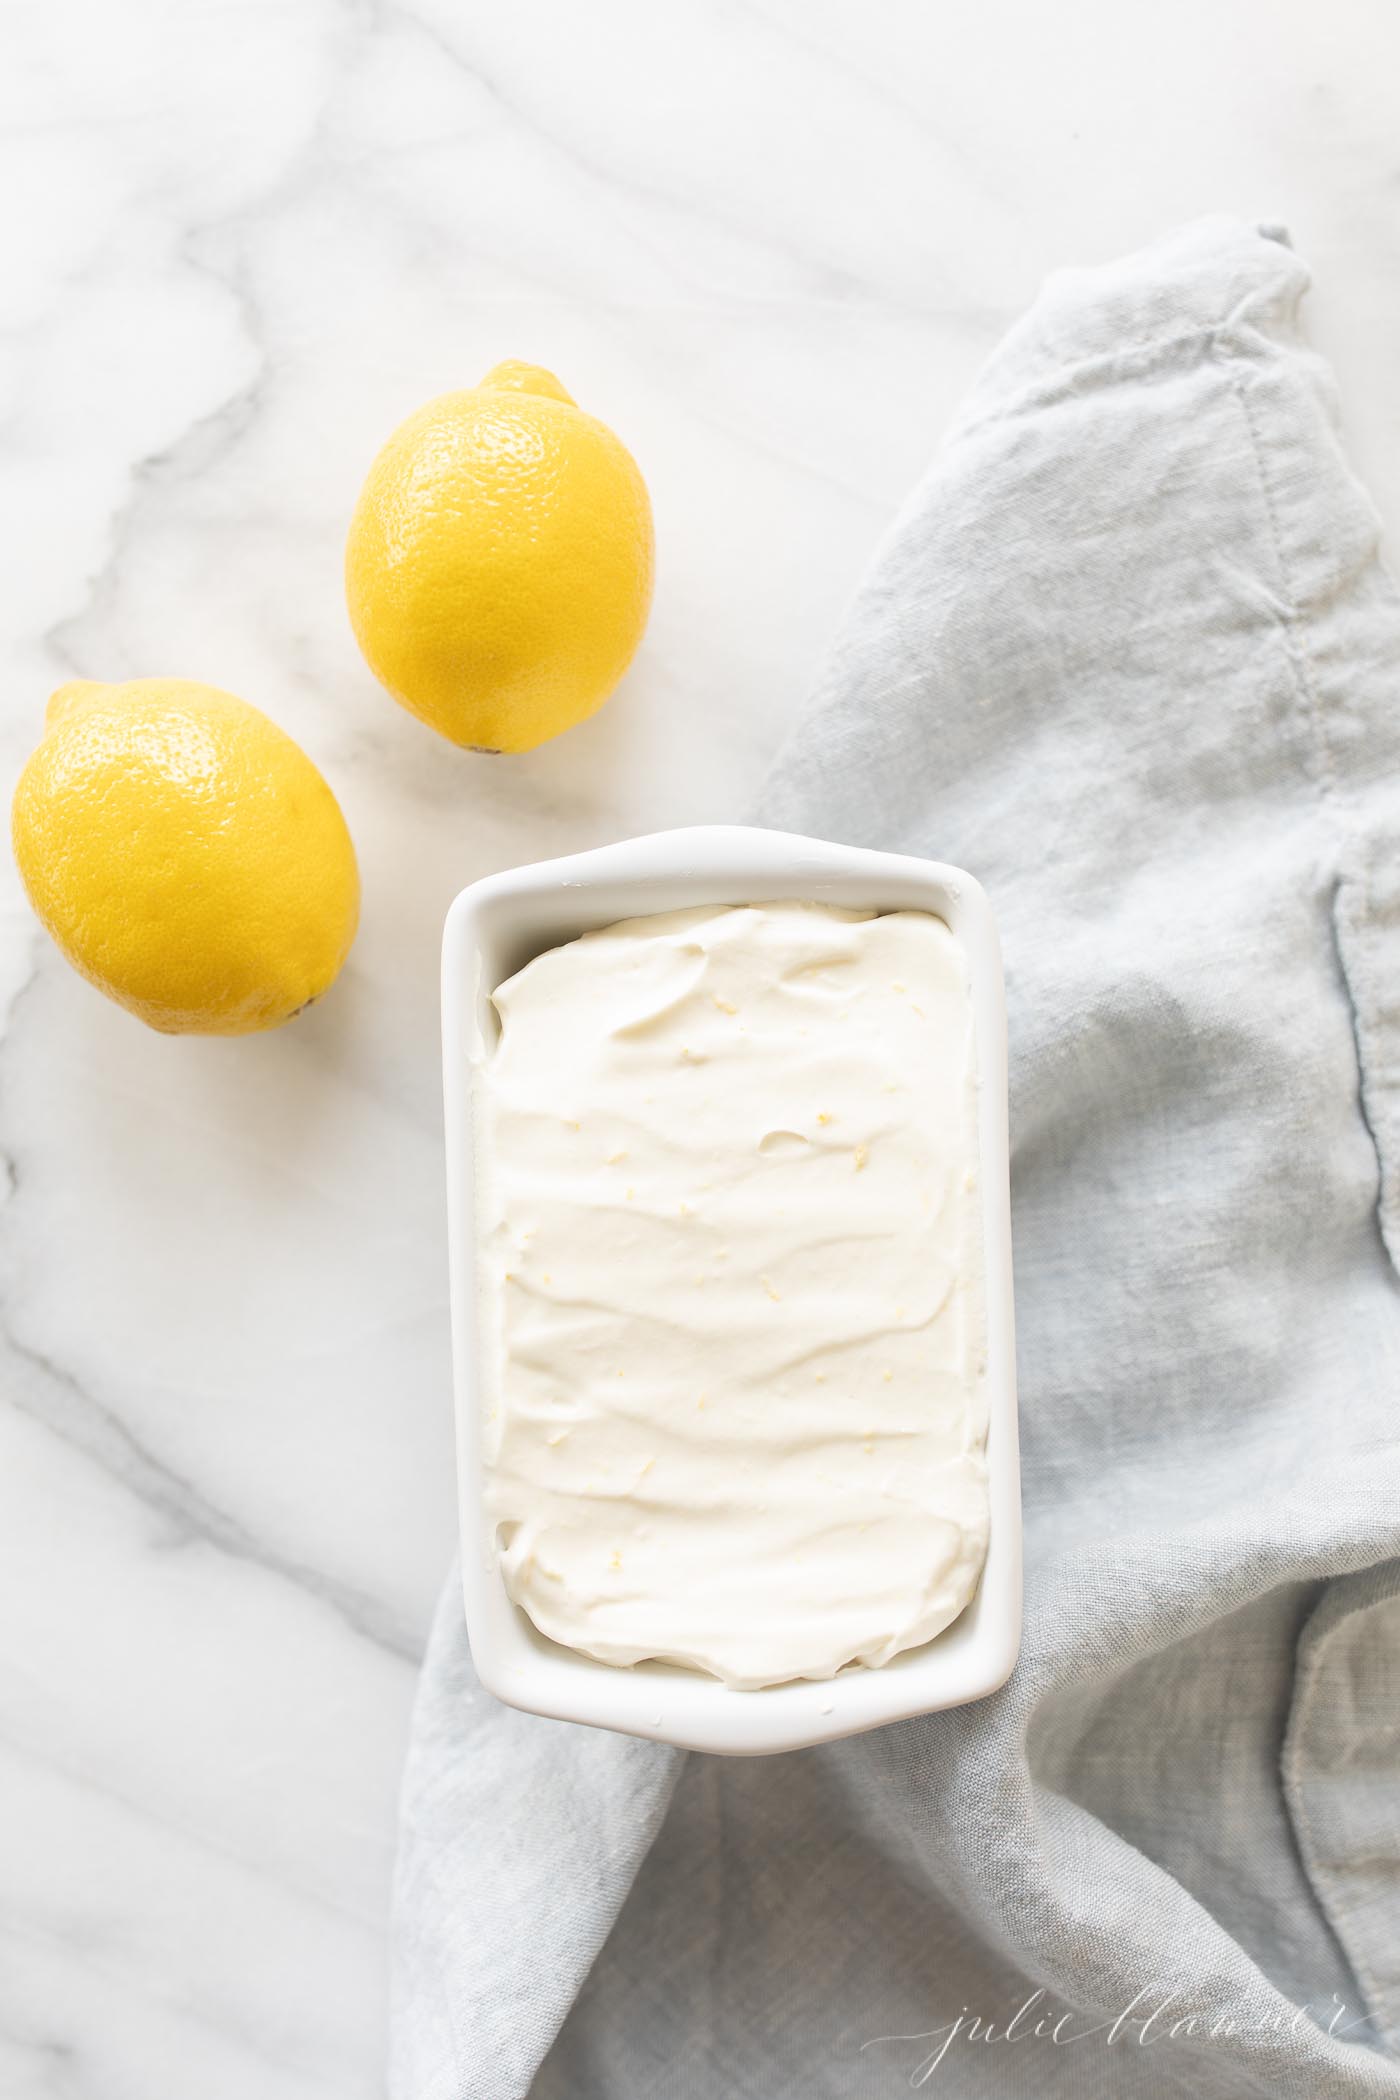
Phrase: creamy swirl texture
(730, 1290)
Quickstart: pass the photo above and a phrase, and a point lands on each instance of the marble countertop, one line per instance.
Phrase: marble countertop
(768, 242)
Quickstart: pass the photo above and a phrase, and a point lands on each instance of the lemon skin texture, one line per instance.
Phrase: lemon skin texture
(185, 855)
(499, 562)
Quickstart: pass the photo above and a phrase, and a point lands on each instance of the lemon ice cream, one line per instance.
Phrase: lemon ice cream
(732, 1337)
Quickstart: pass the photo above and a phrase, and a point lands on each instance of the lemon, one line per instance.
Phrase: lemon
(186, 856)
(499, 563)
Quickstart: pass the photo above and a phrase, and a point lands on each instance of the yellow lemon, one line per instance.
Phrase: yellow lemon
(499, 564)
(186, 856)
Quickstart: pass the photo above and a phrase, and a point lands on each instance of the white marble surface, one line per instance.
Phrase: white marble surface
(770, 243)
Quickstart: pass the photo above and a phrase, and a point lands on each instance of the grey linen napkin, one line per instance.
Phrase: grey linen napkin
(1128, 654)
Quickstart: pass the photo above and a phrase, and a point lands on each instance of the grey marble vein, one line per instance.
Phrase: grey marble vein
(53, 1397)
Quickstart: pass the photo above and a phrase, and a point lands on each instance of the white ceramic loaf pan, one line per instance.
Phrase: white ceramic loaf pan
(492, 930)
